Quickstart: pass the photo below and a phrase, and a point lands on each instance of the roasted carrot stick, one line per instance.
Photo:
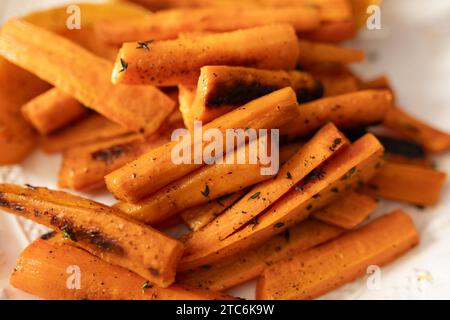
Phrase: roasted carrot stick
(155, 169)
(332, 32)
(221, 89)
(430, 138)
(94, 128)
(168, 24)
(326, 143)
(172, 62)
(45, 268)
(314, 52)
(349, 169)
(330, 10)
(16, 135)
(99, 229)
(84, 167)
(319, 270)
(86, 77)
(348, 211)
(336, 79)
(409, 183)
(251, 263)
(345, 111)
(52, 110)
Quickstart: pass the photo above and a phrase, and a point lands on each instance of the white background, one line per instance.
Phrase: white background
(413, 49)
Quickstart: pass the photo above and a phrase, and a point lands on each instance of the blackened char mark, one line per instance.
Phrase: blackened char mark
(236, 93)
(402, 147)
(310, 94)
(110, 154)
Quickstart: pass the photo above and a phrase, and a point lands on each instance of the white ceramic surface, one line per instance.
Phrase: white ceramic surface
(413, 48)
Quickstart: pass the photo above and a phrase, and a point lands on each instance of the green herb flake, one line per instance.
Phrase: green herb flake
(124, 65)
(144, 45)
(146, 285)
(205, 192)
(67, 233)
(255, 196)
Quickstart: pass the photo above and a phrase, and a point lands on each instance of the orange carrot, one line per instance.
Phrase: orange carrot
(94, 128)
(319, 270)
(336, 79)
(221, 89)
(332, 32)
(414, 129)
(164, 25)
(44, 269)
(52, 110)
(172, 62)
(409, 183)
(86, 77)
(315, 52)
(348, 211)
(99, 229)
(350, 110)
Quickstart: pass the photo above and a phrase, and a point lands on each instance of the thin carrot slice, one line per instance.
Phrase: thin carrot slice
(169, 24)
(251, 263)
(155, 169)
(42, 270)
(319, 270)
(348, 211)
(81, 74)
(348, 170)
(52, 110)
(409, 183)
(171, 62)
(99, 229)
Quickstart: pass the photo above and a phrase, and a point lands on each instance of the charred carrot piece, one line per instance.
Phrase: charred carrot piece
(169, 24)
(350, 110)
(84, 76)
(221, 89)
(52, 110)
(319, 270)
(94, 128)
(409, 183)
(99, 229)
(155, 169)
(348, 211)
(431, 139)
(171, 62)
(42, 270)
(251, 263)
(84, 167)
(350, 168)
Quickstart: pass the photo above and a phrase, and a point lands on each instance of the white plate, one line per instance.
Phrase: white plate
(413, 48)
